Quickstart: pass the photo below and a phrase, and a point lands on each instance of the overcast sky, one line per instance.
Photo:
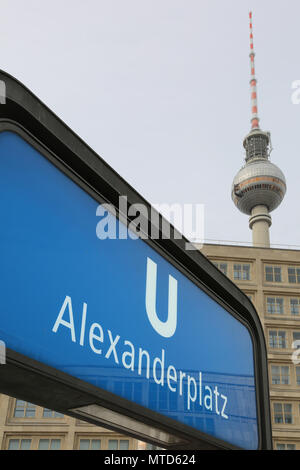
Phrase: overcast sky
(160, 90)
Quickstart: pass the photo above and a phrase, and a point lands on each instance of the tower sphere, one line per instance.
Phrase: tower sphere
(259, 182)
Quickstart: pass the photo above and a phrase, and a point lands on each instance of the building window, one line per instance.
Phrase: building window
(241, 272)
(283, 413)
(222, 267)
(116, 444)
(298, 376)
(296, 340)
(23, 409)
(294, 275)
(275, 305)
(49, 444)
(281, 446)
(19, 444)
(33, 442)
(273, 273)
(90, 444)
(51, 414)
(250, 297)
(294, 306)
(153, 447)
(277, 339)
(280, 375)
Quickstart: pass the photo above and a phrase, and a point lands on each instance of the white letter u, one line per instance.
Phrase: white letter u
(167, 328)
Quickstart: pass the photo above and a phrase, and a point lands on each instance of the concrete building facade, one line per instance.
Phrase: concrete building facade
(271, 279)
(25, 426)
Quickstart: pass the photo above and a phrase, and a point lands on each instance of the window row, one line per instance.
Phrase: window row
(280, 274)
(240, 272)
(285, 446)
(26, 444)
(282, 306)
(285, 375)
(23, 409)
(37, 443)
(95, 444)
(282, 339)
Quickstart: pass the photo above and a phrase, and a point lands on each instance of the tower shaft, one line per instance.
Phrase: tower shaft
(260, 221)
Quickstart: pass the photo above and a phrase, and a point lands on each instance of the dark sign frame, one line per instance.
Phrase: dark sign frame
(30, 380)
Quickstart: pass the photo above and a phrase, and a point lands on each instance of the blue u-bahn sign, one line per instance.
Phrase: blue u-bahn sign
(141, 328)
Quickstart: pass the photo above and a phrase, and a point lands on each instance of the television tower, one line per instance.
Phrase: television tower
(259, 186)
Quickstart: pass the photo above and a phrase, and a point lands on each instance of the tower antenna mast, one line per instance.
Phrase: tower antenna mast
(253, 81)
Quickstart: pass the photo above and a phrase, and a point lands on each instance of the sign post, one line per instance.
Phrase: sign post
(141, 336)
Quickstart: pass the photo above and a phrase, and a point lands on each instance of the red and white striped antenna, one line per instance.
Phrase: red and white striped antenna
(253, 81)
